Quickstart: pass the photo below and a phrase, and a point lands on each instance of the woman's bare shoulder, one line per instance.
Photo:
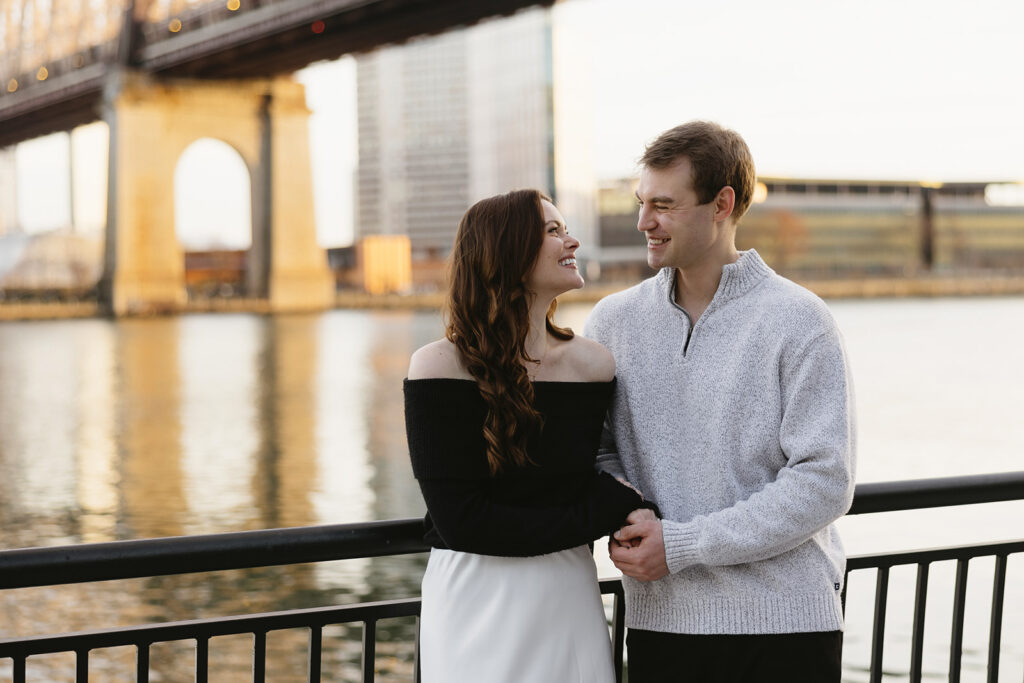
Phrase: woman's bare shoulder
(591, 361)
(438, 359)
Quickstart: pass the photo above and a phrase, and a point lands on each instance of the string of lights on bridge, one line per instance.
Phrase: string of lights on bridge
(63, 34)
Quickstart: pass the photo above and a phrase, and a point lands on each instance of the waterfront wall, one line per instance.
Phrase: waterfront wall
(864, 288)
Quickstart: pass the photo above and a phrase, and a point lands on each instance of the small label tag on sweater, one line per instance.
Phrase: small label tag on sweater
(836, 585)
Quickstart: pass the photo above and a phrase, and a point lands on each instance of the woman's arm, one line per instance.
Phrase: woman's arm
(468, 519)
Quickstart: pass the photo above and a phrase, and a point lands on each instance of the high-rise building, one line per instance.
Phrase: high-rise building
(8, 191)
(413, 178)
(450, 119)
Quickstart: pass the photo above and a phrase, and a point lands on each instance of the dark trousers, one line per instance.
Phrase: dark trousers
(656, 657)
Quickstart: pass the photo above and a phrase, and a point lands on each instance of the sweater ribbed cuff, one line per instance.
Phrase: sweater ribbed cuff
(680, 544)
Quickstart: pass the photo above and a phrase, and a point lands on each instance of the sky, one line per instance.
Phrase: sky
(897, 89)
(877, 89)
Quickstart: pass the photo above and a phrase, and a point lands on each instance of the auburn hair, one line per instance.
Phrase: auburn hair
(487, 315)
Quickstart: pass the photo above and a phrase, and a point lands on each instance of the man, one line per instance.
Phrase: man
(734, 414)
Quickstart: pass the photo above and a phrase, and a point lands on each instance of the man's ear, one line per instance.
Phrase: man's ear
(725, 202)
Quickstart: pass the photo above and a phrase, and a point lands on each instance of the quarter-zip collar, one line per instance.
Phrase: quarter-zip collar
(738, 278)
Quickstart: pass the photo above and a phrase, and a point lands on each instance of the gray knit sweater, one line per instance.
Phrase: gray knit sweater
(741, 429)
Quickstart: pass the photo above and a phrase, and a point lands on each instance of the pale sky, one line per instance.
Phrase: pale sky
(901, 89)
(886, 89)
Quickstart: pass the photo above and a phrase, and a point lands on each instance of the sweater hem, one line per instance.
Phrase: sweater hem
(806, 613)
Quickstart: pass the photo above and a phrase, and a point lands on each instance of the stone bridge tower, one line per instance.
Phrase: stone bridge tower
(151, 123)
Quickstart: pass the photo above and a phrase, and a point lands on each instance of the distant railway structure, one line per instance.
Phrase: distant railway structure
(824, 228)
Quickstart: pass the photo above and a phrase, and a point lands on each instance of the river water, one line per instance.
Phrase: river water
(223, 422)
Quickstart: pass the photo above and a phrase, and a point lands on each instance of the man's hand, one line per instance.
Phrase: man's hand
(634, 517)
(638, 550)
(640, 515)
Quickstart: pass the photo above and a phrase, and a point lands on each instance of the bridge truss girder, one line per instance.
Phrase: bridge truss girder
(190, 38)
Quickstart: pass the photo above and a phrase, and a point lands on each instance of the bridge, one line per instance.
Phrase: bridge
(163, 73)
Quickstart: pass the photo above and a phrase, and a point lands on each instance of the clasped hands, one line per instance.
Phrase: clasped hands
(638, 549)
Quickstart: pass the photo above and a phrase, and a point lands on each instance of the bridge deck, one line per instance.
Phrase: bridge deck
(260, 39)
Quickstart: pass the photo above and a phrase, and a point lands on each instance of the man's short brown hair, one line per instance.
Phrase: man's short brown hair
(718, 156)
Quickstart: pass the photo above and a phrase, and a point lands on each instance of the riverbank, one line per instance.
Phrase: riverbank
(866, 288)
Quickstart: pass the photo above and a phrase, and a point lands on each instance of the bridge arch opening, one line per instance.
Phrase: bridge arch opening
(213, 218)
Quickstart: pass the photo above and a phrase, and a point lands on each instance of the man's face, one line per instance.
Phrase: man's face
(680, 231)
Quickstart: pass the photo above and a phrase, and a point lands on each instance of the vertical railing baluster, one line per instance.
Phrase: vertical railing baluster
(202, 659)
(259, 657)
(82, 666)
(956, 644)
(878, 629)
(416, 654)
(618, 631)
(142, 663)
(917, 639)
(19, 670)
(316, 635)
(995, 629)
(842, 595)
(369, 649)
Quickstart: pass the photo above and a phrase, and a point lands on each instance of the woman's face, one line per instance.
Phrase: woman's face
(554, 271)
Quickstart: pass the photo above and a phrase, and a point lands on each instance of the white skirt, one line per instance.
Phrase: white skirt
(488, 619)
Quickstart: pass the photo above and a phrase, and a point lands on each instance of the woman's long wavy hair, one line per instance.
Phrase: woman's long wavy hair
(488, 319)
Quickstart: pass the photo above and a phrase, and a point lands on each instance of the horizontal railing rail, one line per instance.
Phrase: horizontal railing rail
(914, 494)
(90, 562)
(29, 567)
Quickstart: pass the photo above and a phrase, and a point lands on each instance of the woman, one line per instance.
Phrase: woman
(503, 418)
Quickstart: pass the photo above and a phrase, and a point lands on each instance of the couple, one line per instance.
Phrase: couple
(706, 422)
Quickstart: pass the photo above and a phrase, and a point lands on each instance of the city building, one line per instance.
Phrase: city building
(8, 191)
(447, 120)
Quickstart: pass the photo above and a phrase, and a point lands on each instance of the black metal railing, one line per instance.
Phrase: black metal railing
(924, 559)
(159, 557)
(930, 493)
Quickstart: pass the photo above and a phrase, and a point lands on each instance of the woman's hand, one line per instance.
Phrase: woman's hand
(626, 483)
(637, 516)
(638, 550)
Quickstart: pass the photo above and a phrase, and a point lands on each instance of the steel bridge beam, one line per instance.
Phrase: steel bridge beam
(279, 38)
(270, 39)
(60, 104)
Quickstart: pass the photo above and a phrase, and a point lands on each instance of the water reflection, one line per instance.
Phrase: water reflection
(211, 423)
(219, 361)
(148, 400)
(286, 463)
(26, 360)
(97, 469)
(201, 424)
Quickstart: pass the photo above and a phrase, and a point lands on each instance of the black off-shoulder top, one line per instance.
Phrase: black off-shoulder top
(558, 501)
